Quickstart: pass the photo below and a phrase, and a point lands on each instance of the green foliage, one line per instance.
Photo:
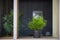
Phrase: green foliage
(37, 23)
(8, 22)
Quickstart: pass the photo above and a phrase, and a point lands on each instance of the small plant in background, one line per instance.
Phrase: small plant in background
(37, 24)
(8, 22)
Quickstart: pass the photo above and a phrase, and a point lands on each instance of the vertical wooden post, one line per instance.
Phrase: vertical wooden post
(55, 18)
(15, 20)
(59, 19)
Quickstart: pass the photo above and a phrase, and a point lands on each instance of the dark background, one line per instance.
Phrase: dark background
(27, 7)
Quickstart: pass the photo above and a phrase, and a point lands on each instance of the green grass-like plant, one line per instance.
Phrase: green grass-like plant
(37, 23)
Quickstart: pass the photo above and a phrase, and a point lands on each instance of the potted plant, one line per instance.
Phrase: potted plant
(37, 24)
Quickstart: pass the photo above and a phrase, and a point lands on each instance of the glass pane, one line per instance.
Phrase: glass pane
(6, 18)
(39, 27)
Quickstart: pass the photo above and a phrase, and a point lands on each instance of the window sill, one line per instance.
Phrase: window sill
(29, 38)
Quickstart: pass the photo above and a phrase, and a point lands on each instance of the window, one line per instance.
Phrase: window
(17, 11)
(27, 9)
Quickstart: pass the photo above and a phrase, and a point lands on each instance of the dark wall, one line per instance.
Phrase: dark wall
(1, 11)
(27, 7)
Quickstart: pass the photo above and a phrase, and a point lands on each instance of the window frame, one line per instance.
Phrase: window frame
(56, 21)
